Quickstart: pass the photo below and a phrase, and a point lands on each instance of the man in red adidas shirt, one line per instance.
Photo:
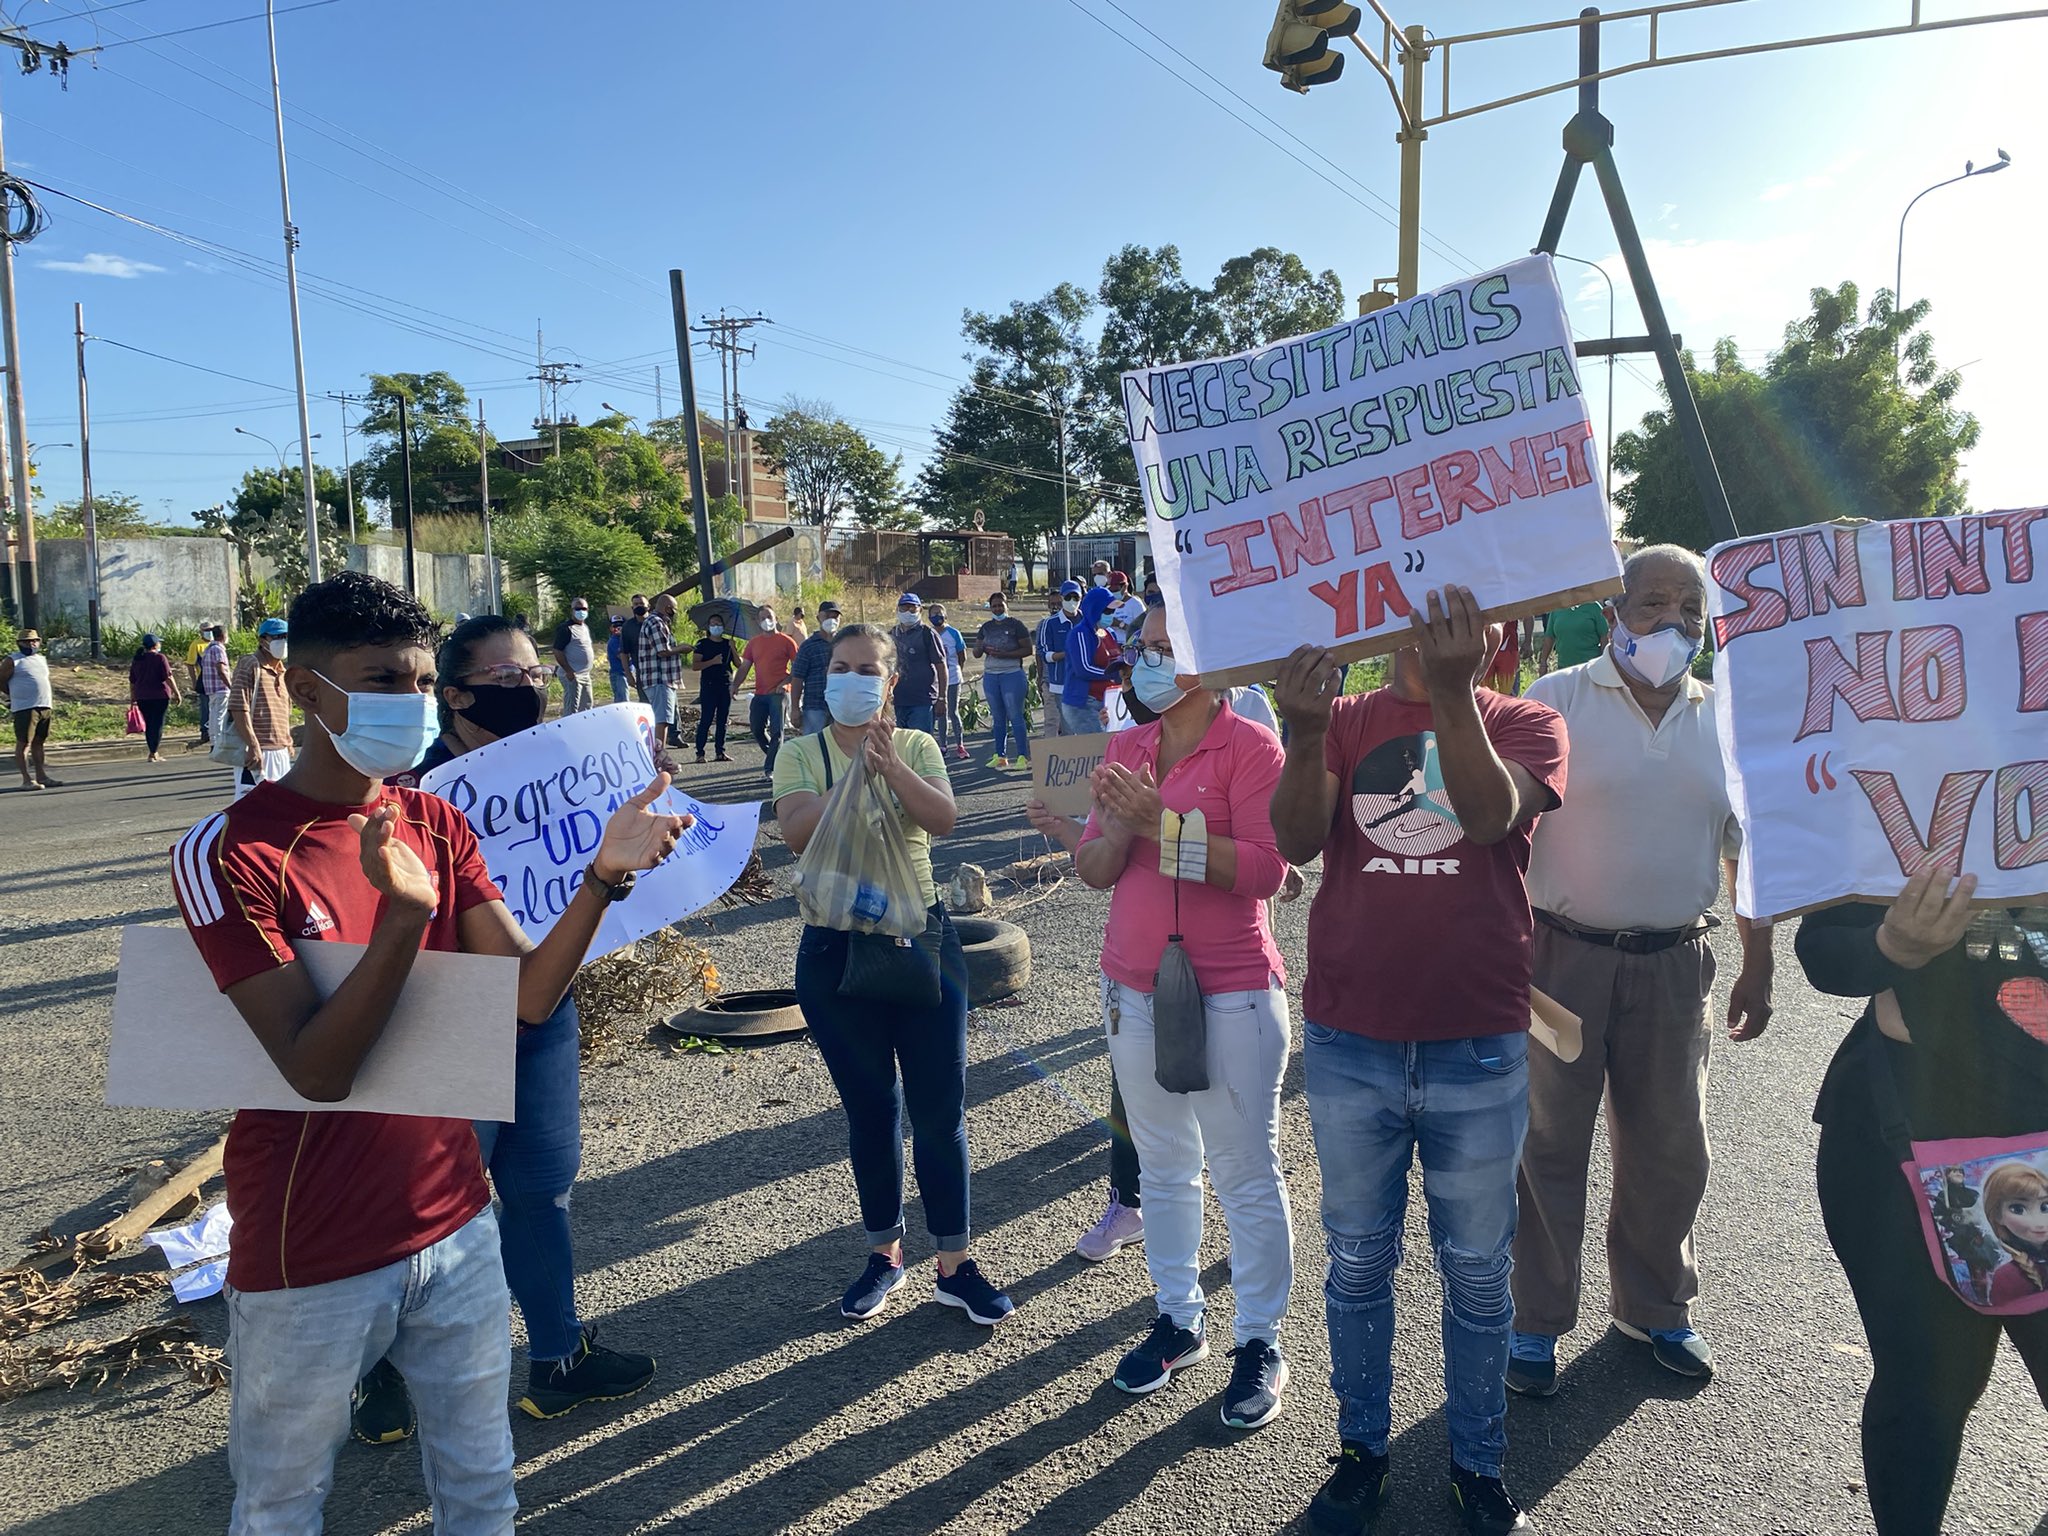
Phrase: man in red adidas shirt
(361, 1235)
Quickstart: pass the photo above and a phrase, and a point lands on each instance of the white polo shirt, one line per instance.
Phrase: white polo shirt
(1639, 841)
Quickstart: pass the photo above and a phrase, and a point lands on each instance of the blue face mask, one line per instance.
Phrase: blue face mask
(854, 698)
(387, 732)
(1155, 687)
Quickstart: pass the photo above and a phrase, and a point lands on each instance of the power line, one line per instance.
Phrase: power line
(218, 373)
(206, 26)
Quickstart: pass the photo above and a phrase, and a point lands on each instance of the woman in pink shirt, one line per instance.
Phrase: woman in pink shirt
(1198, 755)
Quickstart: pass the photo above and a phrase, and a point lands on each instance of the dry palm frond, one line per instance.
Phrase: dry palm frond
(644, 983)
(755, 885)
(96, 1362)
(30, 1301)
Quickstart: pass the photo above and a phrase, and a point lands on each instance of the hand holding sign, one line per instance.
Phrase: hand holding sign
(636, 838)
(1309, 683)
(392, 868)
(1453, 640)
(1927, 920)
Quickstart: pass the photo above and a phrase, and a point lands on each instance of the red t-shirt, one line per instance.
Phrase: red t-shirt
(1109, 655)
(320, 1196)
(1416, 933)
(769, 654)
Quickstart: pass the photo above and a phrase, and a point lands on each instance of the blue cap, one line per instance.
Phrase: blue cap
(270, 629)
(150, 642)
(1070, 589)
(910, 600)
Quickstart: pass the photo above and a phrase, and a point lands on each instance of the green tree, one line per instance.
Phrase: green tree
(444, 448)
(1847, 419)
(116, 515)
(1271, 294)
(579, 557)
(829, 468)
(267, 516)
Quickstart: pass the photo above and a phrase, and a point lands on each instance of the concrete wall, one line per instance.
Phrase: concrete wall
(448, 584)
(775, 574)
(142, 581)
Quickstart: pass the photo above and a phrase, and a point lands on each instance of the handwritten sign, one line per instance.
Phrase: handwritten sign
(1060, 770)
(539, 801)
(1316, 489)
(1883, 699)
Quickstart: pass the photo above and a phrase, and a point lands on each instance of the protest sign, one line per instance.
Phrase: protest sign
(1315, 490)
(539, 801)
(1060, 770)
(1882, 691)
(177, 1043)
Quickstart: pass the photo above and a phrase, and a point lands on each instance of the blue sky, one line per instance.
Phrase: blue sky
(864, 173)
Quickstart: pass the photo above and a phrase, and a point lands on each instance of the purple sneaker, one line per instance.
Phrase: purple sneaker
(1121, 1225)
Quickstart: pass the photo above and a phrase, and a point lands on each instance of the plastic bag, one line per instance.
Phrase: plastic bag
(856, 873)
(134, 720)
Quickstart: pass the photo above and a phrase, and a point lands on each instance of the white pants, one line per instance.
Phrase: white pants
(216, 711)
(575, 693)
(1236, 1122)
(277, 763)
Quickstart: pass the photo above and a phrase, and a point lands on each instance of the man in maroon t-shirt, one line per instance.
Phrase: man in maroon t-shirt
(1421, 797)
(360, 1235)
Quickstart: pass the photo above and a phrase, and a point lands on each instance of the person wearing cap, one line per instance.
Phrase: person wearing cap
(1051, 644)
(261, 710)
(920, 667)
(953, 646)
(27, 676)
(629, 644)
(1126, 610)
(193, 654)
(573, 656)
(152, 688)
(615, 657)
(807, 672)
(214, 676)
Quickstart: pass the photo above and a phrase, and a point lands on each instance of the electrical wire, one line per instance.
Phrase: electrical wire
(163, 357)
(206, 26)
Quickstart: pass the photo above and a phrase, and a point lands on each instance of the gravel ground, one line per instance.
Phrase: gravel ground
(716, 1226)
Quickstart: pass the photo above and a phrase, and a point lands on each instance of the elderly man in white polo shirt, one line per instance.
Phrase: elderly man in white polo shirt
(1621, 879)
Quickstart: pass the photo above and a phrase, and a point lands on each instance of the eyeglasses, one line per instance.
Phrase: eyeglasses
(1155, 655)
(509, 676)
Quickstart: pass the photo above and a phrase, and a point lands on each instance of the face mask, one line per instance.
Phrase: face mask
(828, 626)
(907, 617)
(579, 614)
(1658, 658)
(505, 711)
(854, 698)
(1070, 605)
(767, 626)
(715, 630)
(1102, 581)
(1155, 687)
(639, 613)
(387, 732)
(277, 648)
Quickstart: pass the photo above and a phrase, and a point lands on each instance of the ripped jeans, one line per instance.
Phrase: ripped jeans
(1236, 1122)
(1463, 1105)
(533, 1162)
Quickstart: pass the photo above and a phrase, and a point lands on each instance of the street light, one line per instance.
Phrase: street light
(282, 472)
(1970, 168)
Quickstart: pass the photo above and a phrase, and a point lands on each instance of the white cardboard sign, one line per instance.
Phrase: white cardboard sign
(1882, 691)
(177, 1043)
(539, 801)
(1315, 490)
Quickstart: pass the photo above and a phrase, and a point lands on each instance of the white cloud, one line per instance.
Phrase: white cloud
(1819, 182)
(102, 264)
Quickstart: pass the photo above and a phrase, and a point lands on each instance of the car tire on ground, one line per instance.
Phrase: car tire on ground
(998, 957)
(768, 1014)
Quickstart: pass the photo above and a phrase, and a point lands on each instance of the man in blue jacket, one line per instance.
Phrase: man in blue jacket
(1051, 641)
(1079, 708)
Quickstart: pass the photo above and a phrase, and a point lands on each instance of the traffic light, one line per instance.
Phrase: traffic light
(1299, 44)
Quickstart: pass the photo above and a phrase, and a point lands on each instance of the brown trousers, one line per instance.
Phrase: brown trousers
(1646, 1041)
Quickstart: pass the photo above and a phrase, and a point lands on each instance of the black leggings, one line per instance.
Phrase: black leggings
(713, 709)
(1931, 1355)
(1123, 1153)
(153, 711)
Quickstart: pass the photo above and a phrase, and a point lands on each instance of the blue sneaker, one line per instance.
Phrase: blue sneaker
(871, 1292)
(1678, 1350)
(1166, 1349)
(966, 1289)
(1532, 1364)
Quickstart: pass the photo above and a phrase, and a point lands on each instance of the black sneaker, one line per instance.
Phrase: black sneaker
(1485, 1504)
(380, 1409)
(591, 1375)
(1347, 1504)
(871, 1292)
(967, 1289)
(1166, 1349)
(1258, 1381)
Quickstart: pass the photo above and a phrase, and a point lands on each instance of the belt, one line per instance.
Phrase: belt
(1630, 941)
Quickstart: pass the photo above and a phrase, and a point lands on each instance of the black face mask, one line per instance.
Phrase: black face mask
(1140, 715)
(639, 613)
(504, 711)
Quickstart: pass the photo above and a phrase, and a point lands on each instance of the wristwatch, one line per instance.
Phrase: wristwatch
(618, 892)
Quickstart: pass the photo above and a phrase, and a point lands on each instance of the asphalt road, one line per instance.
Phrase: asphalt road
(716, 1226)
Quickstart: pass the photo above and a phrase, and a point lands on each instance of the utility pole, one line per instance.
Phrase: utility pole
(17, 410)
(348, 470)
(412, 578)
(483, 459)
(707, 554)
(658, 412)
(551, 377)
(725, 333)
(1414, 55)
(1059, 419)
(291, 282)
(92, 532)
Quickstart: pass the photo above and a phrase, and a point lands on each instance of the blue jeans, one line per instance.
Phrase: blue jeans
(947, 718)
(661, 698)
(1082, 719)
(618, 688)
(440, 1317)
(765, 714)
(815, 720)
(915, 717)
(1464, 1106)
(1005, 692)
(866, 1045)
(532, 1163)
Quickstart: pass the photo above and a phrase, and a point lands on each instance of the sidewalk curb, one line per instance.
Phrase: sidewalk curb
(114, 749)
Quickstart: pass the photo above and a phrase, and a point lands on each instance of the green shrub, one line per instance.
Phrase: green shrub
(580, 558)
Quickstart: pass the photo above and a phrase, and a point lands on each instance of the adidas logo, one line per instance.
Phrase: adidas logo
(317, 921)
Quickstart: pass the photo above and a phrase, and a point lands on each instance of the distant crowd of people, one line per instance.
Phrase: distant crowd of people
(1461, 888)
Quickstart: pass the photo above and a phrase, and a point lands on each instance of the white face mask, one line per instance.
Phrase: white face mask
(767, 626)
(1658, 658)
(1102, 581)
(277, 648)
(906, 617)
(1070, 605)
(828, 626)
(387, 732)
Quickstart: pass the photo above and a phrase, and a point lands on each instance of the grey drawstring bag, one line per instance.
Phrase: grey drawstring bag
(1180, 1025)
